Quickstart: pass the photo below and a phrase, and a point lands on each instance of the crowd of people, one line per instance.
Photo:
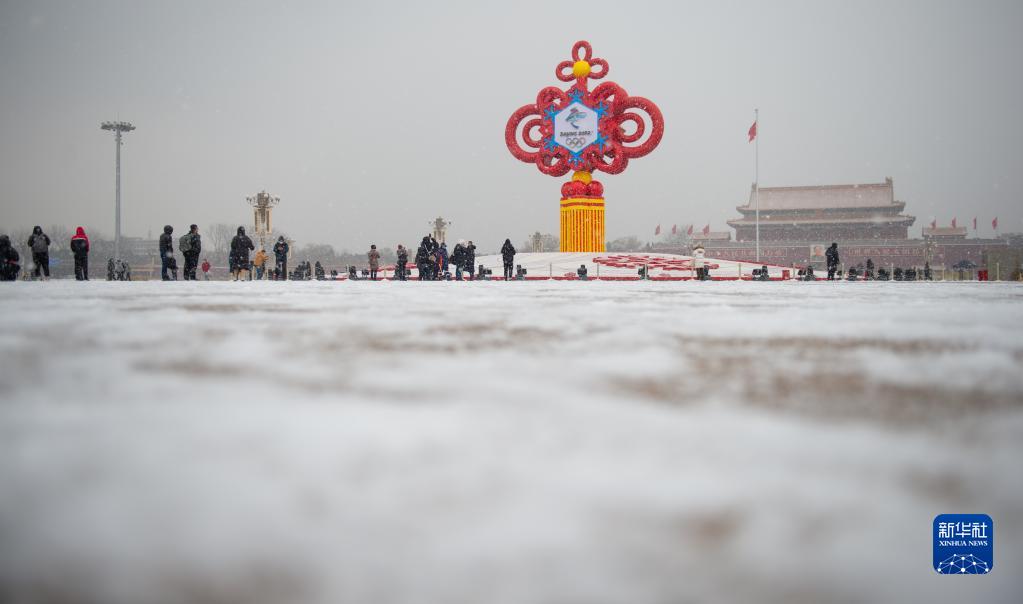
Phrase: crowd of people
(431, 259)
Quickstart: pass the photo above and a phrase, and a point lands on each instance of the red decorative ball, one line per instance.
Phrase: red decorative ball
(595, 189)
(573, 188)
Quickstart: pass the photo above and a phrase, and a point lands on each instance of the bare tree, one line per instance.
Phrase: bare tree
(220, 235)
(60, 237)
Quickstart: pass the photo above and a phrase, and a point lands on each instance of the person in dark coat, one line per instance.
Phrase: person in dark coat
(458, 259)
(318, 270)
(869, 274)
(110, 269)
(9, 258)
(470, 259)
(402, 264)
(39, 245)
(831, 255)
(190, 246)
(241, 245)
(508, 255)
(80, 249)
(166, 251)
(281, 249)
(423, 260)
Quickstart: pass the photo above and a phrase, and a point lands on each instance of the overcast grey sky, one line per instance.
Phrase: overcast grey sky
(370, 118)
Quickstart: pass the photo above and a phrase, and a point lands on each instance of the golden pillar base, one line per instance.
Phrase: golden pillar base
(582, 224)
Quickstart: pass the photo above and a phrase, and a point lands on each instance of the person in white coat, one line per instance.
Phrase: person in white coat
(699, 263)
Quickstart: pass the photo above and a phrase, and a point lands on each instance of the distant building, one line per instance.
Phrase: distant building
(798, 223)
(829, 212)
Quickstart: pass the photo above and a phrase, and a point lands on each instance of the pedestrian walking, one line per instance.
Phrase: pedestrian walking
(508, 255)
(206, 269)
(39, 244)
(80, 249)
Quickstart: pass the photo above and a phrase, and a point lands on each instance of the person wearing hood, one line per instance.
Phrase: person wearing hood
(442, 257)
(374, 262)
(206, 269)
(321, 274)
(508, 255)
(166, 251)
(9, 258)
(39, 244)
(190, 245)
(280, 250)
(80, 249)
(240, 247)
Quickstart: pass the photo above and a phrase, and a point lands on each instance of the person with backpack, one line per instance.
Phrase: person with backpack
(402, 264)
(280, 250)
(9, 258)
(470, 259)
(166, 251)
(39, 244)
(190, 245)
(80, 249)
(240, 247)
(206, 269)
(508, 255)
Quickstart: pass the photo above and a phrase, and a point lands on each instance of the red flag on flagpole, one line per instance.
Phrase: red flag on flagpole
(953, 223)
(994, 223)
(752, 132)
(934, 223)
(657, 231)
(674, 229)
(706, 230)
(974, 223)
(689, 231)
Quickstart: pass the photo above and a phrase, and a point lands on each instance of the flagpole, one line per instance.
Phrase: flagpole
(756, 175)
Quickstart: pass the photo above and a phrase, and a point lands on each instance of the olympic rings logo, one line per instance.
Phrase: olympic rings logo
(574, 142)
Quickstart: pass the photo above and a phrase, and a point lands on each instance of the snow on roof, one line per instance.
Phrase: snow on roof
(871, 195)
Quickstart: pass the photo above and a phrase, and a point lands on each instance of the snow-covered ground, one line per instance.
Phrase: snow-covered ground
(538, 442)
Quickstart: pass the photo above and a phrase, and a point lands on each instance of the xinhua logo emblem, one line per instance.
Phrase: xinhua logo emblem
(964, 544)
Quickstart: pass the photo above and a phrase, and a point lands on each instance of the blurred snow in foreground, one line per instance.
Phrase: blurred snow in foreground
(505, 442)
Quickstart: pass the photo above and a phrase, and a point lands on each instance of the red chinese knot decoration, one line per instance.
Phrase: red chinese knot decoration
(581, 129)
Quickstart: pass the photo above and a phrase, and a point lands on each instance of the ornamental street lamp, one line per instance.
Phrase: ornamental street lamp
(117, 128)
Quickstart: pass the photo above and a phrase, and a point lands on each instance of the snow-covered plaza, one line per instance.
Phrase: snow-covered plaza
(490, 442)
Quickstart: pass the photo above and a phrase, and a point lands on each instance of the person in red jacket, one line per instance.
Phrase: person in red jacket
(80, 248)
(205, 269)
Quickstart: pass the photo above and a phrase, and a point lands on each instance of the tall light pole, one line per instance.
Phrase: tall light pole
(118, 128)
